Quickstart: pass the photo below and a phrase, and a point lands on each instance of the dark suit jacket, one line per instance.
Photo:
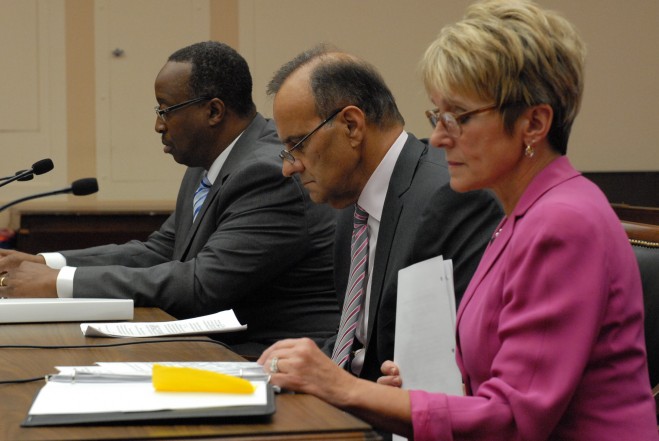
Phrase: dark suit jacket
(259, 246)
(422, 218)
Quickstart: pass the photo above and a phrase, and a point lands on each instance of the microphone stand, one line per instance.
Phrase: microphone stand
(81, 187)
(16, 177)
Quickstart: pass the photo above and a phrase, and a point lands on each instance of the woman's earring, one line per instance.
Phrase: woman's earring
(528, 151)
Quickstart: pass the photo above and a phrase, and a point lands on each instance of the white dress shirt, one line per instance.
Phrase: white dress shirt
(371, 200)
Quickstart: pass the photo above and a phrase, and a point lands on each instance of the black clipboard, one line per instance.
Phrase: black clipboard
(255, 413)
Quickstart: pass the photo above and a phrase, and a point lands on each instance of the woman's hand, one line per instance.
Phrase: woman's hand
(391, 374)
(299, 365)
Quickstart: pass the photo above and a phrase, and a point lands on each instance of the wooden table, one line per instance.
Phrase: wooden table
(298, 416)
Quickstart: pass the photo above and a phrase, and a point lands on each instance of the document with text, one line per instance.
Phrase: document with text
(223, 321)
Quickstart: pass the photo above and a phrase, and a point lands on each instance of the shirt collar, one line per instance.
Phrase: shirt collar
(374, 193)
(214, 171)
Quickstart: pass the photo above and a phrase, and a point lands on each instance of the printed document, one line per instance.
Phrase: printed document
(224, 321)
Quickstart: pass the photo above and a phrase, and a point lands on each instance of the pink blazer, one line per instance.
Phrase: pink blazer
(550, 329)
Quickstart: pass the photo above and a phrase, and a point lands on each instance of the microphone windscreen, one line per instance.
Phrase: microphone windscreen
(27, 177)
(43, 166)
(85, 186)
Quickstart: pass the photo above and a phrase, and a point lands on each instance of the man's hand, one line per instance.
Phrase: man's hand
(10, 259)
(29, 279)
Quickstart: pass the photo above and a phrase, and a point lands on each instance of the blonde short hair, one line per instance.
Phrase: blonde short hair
(515, 54)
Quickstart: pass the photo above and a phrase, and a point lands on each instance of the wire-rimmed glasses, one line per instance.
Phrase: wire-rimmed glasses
(452, 122)
(162, 112)
(286, 154)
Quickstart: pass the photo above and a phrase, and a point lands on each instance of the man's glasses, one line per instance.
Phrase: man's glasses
(286, 154)
(453, 122)
(163, 112)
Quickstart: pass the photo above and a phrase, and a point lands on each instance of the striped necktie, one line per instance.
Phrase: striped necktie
(200, 196)
(356, 288)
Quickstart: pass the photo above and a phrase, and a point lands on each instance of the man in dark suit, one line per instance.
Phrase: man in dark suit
(345, 138)
(257, 245)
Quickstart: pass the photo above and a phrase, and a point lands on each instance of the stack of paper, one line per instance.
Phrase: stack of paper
(64, 310)
(115, 392)
(425, 327)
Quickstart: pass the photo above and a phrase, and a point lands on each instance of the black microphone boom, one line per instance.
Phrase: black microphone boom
(38, 168)
(26, 177)
(81, 187)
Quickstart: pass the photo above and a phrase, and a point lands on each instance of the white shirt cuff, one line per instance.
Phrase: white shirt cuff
(54, 260)
(65, 282)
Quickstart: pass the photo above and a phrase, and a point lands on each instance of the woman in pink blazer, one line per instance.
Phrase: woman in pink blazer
(550, 330)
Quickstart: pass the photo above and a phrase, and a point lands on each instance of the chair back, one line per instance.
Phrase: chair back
(636, 213)
(645, 242)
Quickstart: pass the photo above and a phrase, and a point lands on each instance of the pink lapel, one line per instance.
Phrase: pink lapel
(497, 244)
(555, 173)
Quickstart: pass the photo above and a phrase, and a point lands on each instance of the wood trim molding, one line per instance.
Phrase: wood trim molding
(631, 188)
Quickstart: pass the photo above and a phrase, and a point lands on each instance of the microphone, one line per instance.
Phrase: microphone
(38, 168)
(81, 187)
(25, 178)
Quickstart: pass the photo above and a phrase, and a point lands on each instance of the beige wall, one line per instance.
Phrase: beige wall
(617, 130)
(81, 88)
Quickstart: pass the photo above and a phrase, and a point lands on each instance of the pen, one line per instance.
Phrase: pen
(93, 377)
(86, 377)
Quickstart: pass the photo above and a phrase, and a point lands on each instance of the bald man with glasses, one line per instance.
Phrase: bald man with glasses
(344, 138)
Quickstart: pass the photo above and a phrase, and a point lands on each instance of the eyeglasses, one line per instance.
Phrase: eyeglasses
(162, 112)
(453, 122)
(286, 154)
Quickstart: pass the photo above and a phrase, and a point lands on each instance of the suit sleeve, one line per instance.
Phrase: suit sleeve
(259, 230)
(157, 249)
(461, 225)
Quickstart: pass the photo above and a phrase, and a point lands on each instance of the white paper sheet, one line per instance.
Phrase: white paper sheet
(224, 321)
(57, 398)
(425, 328)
